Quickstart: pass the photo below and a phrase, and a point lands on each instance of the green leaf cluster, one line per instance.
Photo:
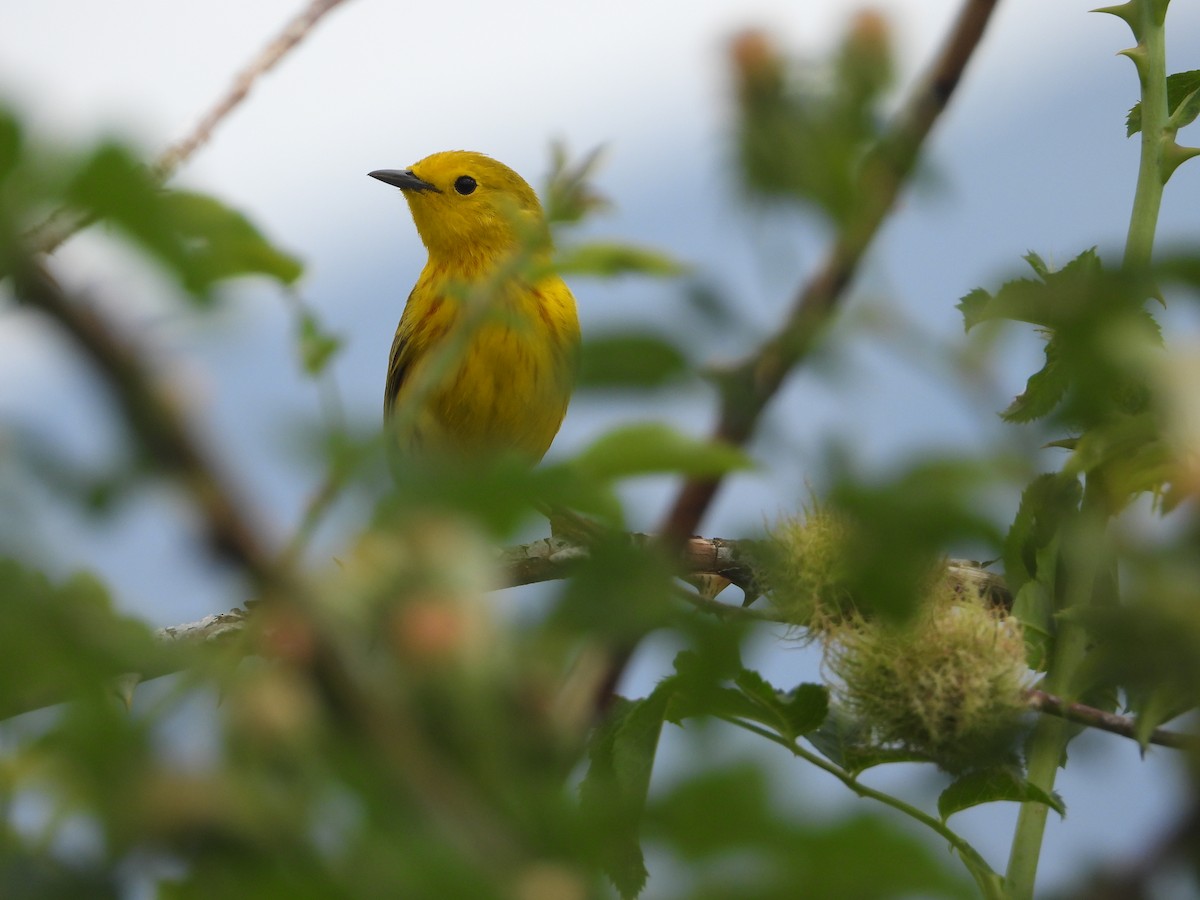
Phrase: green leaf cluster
(196, 239)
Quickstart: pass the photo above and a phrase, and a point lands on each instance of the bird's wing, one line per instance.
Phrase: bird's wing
(399, 363)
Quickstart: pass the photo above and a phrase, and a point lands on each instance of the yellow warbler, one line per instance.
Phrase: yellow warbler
(508, 388)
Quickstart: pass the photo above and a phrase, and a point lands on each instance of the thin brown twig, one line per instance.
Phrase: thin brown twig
(292, 34)
(62, 223)
(1106, 721)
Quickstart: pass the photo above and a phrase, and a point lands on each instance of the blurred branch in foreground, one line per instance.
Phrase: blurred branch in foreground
(726, 560)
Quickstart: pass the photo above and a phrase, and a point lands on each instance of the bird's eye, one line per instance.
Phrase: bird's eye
(464, 184)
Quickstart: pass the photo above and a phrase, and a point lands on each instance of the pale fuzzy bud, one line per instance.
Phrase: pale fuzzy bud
(949, 685)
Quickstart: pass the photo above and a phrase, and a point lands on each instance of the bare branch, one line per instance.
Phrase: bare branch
(1106, 721)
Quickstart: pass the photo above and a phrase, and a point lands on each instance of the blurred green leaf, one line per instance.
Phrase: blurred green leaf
(199, 239)
(31, 872)
(725, 813)
(222, 243)
(630, 360)
(802, 135)
(1094, 321)
(1033, 606)
(613, 792)
(846, 742)
(1150, 646)
(619, 592)
(607, 260)
(112, 184)
(1046, 504)
(317, 346)
(63, 640)
(790, 715)
(991, 785)
(1181, 87)
(569, 195)
(901, 527)
(10, 146)
(652, 448)
(806, 707)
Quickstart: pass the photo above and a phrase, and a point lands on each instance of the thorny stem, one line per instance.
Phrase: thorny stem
(1150, 59)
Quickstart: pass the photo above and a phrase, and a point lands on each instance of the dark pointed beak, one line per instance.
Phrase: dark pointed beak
(405, 180)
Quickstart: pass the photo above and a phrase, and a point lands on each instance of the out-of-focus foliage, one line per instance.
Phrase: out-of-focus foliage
(386, 727)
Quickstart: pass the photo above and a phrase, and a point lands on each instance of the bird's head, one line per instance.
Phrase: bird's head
(468, 205)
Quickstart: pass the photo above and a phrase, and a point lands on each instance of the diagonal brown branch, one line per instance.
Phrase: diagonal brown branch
(289, 36)
(1106, 721)
(161, 430)
(753, 383)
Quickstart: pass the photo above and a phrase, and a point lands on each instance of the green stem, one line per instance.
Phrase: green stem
(1150, 58)
(1046, 748)
(1082, 567)
(989, 882)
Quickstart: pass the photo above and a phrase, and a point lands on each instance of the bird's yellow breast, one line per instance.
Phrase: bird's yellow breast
(508, 387)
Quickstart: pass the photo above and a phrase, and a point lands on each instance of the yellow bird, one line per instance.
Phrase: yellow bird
(508, 388)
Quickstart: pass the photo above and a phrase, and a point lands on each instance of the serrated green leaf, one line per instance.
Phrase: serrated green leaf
(1021, 300)
(790, 715)
(1130, 453)
(991, 785)
(613, 792)
(653, 448)
(1044, 390)
(630, 360)
(1154, 707)
(1185, 113)
(608, 260)
(973, 307)
(1047, 502)
(1180, 88)
(764, 700)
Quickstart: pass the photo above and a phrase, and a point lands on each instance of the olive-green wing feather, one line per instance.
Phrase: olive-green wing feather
(399, 363)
